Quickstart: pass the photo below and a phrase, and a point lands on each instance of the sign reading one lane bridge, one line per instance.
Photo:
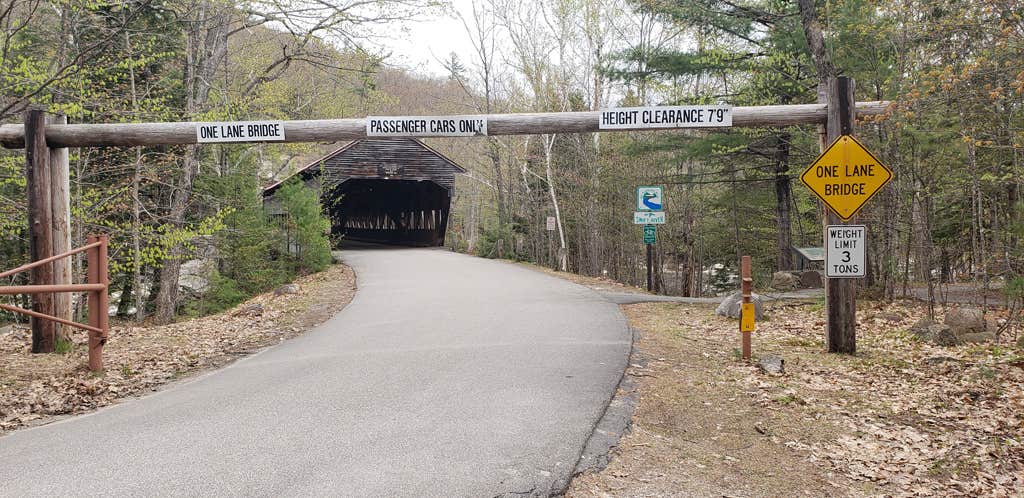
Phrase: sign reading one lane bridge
(240, 131)
(845, 176)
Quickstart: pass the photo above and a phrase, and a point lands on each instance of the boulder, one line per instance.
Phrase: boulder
(889, 316)
(944, 336)
(251, 310)
(811, 279)
(784, 280)
(195, 275)
(730, 306)
(965, 320)
(937, 333)
(772, 365)
(976, 337)
(922, 329)
(287, 289)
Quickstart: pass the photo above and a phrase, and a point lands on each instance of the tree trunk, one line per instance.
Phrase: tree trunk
(783, 201)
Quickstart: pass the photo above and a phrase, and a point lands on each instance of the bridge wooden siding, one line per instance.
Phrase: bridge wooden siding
(394, 190)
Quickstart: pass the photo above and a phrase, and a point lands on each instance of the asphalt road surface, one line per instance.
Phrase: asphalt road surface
(447, 375)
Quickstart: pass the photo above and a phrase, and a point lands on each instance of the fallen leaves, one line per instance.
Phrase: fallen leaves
(35, 388)
(900, 418)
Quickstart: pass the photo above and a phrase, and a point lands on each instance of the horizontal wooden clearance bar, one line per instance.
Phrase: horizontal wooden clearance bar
(331, 130)
(44, 289)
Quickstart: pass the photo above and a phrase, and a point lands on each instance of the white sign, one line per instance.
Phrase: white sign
(551, 223)
(649, 218)
(649, 199)
(426, 126)
(845, 247)
(240, 131)
(687, 116)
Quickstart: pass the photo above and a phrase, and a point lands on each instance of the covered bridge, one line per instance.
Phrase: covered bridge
(392, 191)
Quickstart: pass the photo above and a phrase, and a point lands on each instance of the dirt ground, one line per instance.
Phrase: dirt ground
(37, 389)
(899, 418)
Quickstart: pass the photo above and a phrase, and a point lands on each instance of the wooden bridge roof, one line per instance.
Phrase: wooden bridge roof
(409, 158)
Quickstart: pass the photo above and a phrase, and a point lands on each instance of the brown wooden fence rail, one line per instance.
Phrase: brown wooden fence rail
(97, 280)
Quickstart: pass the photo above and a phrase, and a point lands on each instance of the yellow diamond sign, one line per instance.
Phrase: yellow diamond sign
(845, 176)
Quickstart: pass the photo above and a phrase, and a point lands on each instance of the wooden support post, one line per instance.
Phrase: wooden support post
(60, 200)
(746, 289)
(840, 293)
(40, 222)
(650, 267)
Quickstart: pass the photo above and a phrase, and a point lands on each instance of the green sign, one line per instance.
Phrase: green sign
(650, 234)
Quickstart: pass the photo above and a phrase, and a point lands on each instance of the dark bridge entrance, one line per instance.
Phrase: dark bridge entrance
(405, 212)
(391, 191)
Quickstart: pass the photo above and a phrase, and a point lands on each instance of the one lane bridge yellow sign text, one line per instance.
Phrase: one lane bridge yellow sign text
(846, 176)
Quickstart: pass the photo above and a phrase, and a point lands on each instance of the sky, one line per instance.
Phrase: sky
(430, 39)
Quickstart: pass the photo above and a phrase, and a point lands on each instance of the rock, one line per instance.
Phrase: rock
(772, 365)
(730, 307)
(965, 320)
(811, 280)
(922, 329)
(937, 333)
(944, 336)
(287, 289)
(976, 337)
(784, 280)
(889, 316)
(195, 275)
(250, 310)
(336, 257)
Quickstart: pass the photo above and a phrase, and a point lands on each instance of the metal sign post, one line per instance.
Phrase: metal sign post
(747, 309)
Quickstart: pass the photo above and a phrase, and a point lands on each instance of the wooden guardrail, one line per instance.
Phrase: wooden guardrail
(98, 281)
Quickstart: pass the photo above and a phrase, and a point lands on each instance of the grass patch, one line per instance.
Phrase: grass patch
(64, 346)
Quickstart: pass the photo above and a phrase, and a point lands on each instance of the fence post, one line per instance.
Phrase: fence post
(746, 289)
(98, 301)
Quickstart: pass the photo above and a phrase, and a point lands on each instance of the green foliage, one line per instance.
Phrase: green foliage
(306, 225)
(497, 242)
(64, 346)
(222, 294)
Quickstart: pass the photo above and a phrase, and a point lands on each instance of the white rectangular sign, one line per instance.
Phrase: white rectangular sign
(686, 116)
(551, 223)
(649, 218)
(426, 126)
(240, 131)
(845, 249)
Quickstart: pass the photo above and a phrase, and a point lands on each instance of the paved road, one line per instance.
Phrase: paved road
(447, 375)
